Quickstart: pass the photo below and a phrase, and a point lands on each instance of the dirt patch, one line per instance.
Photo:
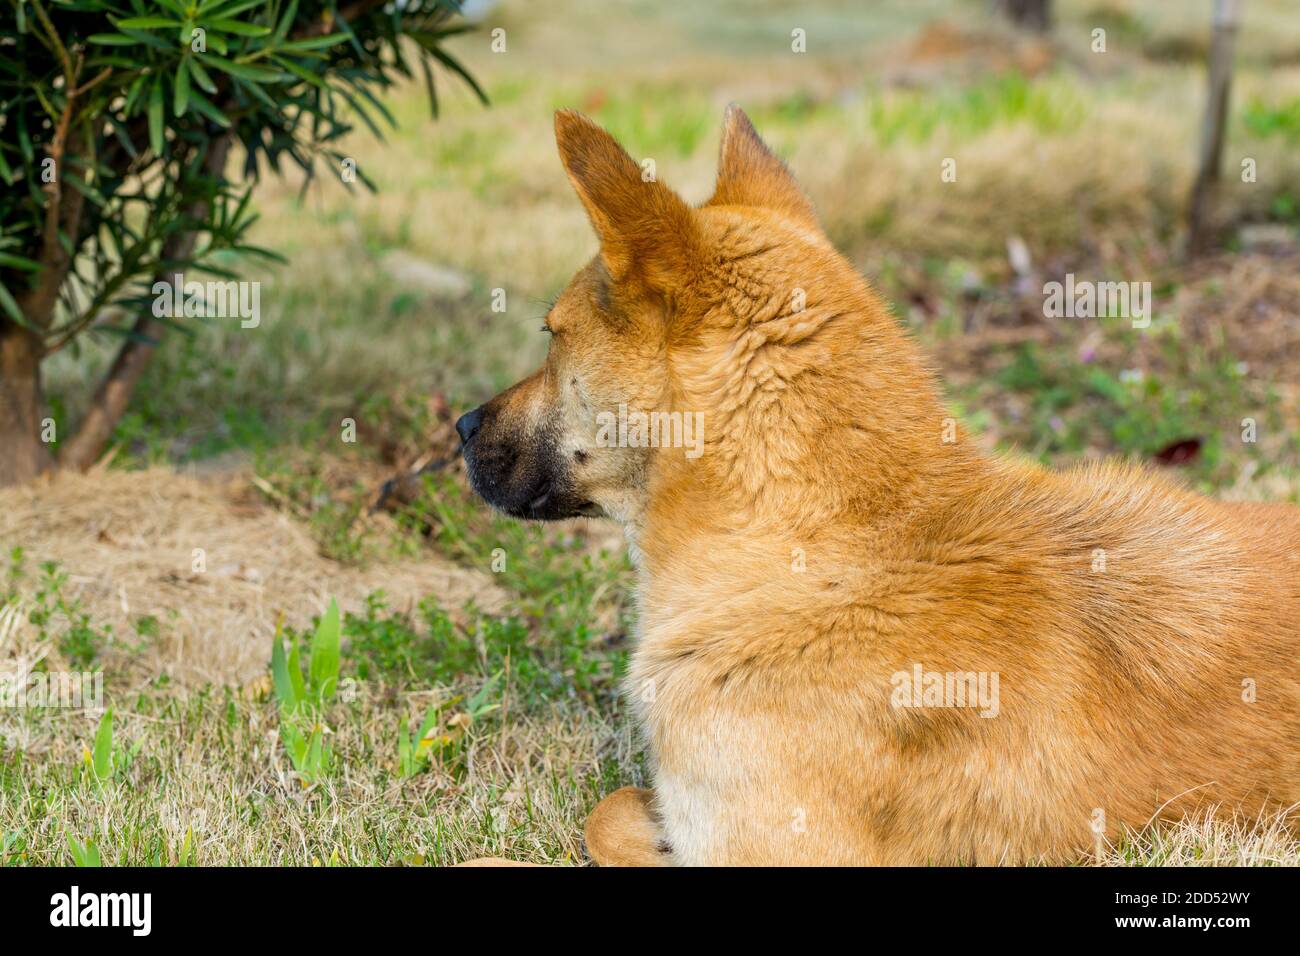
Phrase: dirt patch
(943, 43)
(205, 556)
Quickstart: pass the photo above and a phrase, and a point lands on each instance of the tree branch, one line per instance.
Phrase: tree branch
(347, 15)
(114, 393)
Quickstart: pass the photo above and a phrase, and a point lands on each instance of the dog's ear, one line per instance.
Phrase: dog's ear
(750, 174)
(646, 230)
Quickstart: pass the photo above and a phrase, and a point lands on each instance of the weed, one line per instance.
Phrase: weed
(301, 700)
(83, 854)
(104, 762)
(62, 617)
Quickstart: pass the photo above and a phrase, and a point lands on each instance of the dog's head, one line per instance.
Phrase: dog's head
(653, 327)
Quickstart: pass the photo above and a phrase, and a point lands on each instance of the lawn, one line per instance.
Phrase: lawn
(240, 497)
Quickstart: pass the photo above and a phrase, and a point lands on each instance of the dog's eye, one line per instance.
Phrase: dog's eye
(547, 329)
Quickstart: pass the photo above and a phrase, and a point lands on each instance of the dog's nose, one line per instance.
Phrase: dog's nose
(468, 424)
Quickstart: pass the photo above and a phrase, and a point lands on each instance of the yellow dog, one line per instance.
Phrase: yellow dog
(862, 641)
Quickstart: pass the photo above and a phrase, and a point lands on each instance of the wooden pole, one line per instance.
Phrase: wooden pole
(1214, 126)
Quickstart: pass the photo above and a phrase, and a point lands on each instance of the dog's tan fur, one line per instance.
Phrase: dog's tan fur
(830, 537)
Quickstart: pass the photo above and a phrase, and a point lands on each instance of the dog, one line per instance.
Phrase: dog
(862, 640)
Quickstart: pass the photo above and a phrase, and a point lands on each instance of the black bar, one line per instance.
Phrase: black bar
(531, 905)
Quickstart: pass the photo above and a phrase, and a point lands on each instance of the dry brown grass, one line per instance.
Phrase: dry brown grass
(215, 768)
(128, 542)
(1207, 840)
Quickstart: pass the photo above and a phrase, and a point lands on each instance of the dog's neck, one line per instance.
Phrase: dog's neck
(786, 454)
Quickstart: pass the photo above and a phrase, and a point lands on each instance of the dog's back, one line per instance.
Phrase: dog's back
(1146, 641)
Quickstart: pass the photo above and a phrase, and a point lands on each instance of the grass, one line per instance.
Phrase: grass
(461, 730)
(523, 728)
(1049, 108)
(211, 768)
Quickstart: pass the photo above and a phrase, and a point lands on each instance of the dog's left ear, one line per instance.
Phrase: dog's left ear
(647, 232)
(750, 174)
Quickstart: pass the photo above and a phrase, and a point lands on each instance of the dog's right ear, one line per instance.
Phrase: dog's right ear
(750, 174)
(647, 232)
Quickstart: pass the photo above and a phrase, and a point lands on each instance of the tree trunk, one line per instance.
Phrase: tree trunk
(1033, 15)
(23, 451)
(114, 393)
(1214, 127)
(23, 455)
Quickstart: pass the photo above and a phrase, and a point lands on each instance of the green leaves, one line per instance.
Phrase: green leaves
(10, 306)
(156, 117)
(312, 43)
(181, 100)
(295, 693)
(204, 107)
(301, 728)
(145, 23)
(200, 75)
(111, 39)
(310, 756)
(11, 260)
(413, 751)
(104, 760)
(286, 675)
(226, 25)
(102, 756)
(159, 85)
(416, 751)
(324, 670)
(19, 262)
(246, 71)
(83, 854)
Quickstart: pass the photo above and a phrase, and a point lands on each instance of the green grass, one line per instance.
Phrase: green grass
(208, 780)
(57, 615)
(242, 803)
(662, 121)
(1074, 406)
(199, 780)
(1047, 107)
(1281, 119)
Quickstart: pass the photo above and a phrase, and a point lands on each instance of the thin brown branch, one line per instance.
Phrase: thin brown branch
(62, 211)
(114, 393)
(349, 13)
(98, 78)
(57, 44)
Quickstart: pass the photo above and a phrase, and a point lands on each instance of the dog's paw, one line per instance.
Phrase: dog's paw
(624, 831)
